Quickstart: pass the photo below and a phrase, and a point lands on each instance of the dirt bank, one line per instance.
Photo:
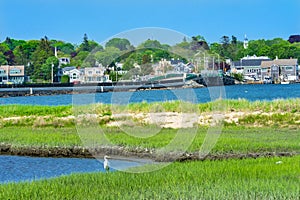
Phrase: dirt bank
(80, 152)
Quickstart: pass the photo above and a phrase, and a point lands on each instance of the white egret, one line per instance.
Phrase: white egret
(106, 163)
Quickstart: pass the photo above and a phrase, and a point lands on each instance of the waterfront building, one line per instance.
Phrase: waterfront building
(280, 70)
(12, 74)
(249, 66)
(85, 75)
(94, 75)
(73, 73)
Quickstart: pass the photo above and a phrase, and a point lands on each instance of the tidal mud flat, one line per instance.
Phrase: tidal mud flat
(80, 152)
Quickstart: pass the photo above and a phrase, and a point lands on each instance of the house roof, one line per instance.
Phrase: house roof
(280, 62)
(175, 62)
(68, 68)
(249, 62)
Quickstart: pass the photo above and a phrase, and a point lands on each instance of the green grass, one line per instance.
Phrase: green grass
(232, 139)
(227, 179)
(280, 105)
(277, 113)
(29, 110)
(48, 136)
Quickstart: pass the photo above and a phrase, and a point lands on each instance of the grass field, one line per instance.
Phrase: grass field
(277, 113)
(234, 139)
(280, 105)
(227, 179)
(260, 178)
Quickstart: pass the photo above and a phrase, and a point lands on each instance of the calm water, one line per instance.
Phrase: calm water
(19, 168)
(250, 92)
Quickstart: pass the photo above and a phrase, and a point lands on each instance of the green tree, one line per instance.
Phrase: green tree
(233, 40)
(10, 57)
(183, 45)
(121, 43)
(132, 59)
(238, 76)
(30, 47)
(39, 57)
(85, 43)
(3, 60)
(88, 45)
(279, 50)
(63, 48)
(151, 44)
(198, 43)
(46, 69)
(12, 43)
(108, 56)
(3, 49)
(20, 56)
(79, 58)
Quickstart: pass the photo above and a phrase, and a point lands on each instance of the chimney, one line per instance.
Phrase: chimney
(276, 58)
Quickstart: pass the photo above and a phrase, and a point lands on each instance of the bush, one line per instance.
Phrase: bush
(65, 79)
(238, 76)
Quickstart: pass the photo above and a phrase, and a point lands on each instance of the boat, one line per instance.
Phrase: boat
(284, 82)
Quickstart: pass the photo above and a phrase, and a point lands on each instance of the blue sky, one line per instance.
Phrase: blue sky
(68, 20)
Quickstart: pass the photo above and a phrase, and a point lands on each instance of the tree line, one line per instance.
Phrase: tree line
(38, 56)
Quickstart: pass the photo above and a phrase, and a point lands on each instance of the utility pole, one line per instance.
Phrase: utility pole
(218, 62)
(7, 74)
(52, 72)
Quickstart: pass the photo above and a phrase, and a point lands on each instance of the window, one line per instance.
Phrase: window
(90, 72)
(74, 76)
(15, 71)
(2, 71)
(289, 68)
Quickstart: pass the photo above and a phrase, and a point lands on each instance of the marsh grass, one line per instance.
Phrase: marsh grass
(228, 105)
(30, 110)
(227, 179)
(279, 105)
(232, 139)
(280, 120)
(278, 113)
(39, 137)
(43, 127)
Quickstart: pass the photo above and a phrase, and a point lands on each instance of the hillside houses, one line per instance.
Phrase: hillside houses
(256, 69)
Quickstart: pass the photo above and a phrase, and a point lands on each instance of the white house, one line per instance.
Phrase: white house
(94, 75)
(63, 61)
(74, 74)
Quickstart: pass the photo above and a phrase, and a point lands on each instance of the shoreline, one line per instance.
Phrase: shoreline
(118, 151)
(50, 91)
